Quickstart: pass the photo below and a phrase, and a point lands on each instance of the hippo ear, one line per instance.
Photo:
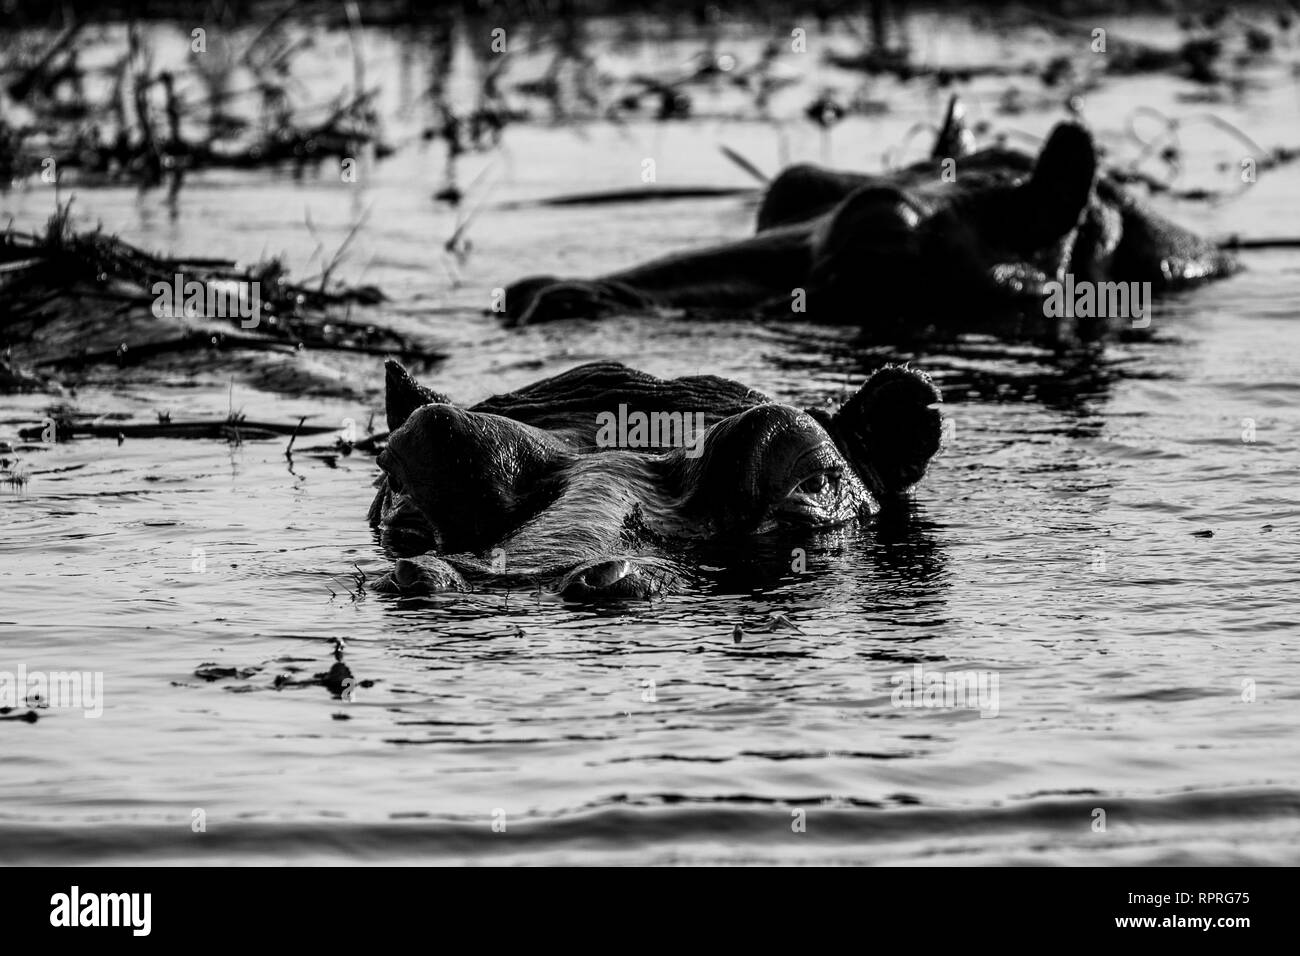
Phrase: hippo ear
(890, 429)
(1057, 192)
(403, 395)
(955, 139)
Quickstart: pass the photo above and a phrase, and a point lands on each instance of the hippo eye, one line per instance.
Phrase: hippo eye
(394, 485)
(819, 483)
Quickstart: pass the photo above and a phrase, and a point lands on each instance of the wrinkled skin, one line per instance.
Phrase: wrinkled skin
(520, 477)
(907, 252)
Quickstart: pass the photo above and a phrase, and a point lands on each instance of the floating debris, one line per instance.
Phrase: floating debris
(71, 299)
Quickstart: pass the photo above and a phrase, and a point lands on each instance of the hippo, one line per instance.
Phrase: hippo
(528, 488)
(933, 247)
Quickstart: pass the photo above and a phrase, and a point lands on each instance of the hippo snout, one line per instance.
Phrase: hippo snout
(521, 296)
(548, 299)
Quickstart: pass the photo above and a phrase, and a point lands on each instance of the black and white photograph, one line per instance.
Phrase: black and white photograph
(693, 433)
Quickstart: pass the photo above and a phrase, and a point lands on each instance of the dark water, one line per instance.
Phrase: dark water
(1143, 669)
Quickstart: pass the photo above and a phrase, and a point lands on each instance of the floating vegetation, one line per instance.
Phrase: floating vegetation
(71, 299)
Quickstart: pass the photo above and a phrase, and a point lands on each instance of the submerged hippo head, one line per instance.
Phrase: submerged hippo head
(988, 239)
(960, 241)
(529, 487)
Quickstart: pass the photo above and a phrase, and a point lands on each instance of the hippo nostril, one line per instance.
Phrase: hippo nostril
(617, 579)
(406, 573)
(606, 573)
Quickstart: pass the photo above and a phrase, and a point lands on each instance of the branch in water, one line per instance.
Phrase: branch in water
(219, 428)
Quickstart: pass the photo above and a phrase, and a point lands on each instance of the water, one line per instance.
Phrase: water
(1144, 669)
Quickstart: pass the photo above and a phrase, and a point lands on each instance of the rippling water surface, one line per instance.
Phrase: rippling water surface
(1061, 543)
